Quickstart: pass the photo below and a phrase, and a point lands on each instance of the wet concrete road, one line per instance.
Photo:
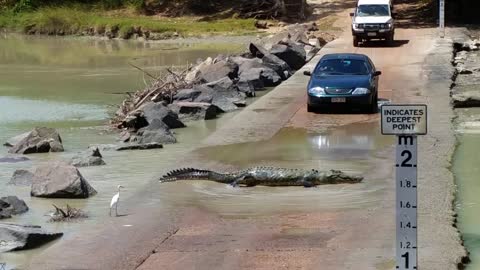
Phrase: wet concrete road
(338, 227)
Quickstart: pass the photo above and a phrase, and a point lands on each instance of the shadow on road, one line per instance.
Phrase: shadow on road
(382, 44)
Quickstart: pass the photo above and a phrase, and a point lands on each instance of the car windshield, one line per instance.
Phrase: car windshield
(373, 10)
(342, 67)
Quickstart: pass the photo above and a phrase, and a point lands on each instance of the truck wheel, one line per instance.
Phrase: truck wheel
(390, 39)
(355, 41)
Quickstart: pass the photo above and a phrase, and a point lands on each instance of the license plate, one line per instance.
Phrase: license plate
(371, 34)
(339, 100)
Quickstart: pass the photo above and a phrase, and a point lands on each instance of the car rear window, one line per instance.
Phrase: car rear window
(342, 67)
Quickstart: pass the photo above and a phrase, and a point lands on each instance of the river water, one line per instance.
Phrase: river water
(467, 170)
(70, 83)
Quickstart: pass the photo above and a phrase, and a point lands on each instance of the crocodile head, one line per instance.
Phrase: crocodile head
(332, 177)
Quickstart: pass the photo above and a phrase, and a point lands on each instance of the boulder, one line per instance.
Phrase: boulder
(134, 121)
(194, 74)
(156, 132)
(90, 157)
(216, 71)
(39, 140)
(13, 159)
(246, 63)
(277, 64)
(257, 50)
(261, 77)
(294, 55)
(21, 237)
(247, 88)
(224, 85)
(12, 205)
(311, 53)
(21, 178)
(186, 95)
(252, 77)
(152, 111)
(220, 93)
(268, 41)
(270, 77)
(195, 110)
(60, 180)
(14, 140)
(146, 146)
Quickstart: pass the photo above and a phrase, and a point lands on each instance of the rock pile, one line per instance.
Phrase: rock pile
(213, 86)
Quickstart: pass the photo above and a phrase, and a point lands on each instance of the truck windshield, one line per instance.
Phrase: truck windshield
(342, 67)
(373, 10)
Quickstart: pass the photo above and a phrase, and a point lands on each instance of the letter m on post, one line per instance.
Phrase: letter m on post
(405, 140)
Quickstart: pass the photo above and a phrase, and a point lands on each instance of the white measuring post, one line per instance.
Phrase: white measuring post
(441, 17)
(406, 122)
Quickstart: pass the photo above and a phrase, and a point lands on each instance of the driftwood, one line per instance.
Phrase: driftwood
(67, 214)
(162, 88)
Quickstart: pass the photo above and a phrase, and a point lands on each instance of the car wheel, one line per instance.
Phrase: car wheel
(373, 108)
(310, 108)
(355, 41)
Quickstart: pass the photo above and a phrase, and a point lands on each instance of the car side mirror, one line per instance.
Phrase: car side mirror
(351, 14)
(377, 73)
(307, 73)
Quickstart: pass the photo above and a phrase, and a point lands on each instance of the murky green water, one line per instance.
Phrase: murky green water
(467, 170)
(69, 84)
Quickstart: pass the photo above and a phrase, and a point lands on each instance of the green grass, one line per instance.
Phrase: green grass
(70, 20)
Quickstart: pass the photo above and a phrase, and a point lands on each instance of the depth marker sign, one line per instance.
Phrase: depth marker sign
(405, 121)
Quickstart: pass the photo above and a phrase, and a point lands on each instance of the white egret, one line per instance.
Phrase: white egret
(114, 202)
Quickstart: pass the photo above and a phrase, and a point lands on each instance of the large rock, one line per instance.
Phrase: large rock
(247, 88)
(152, 111)
(156, 132)
(90, 157)
(216, 71)
(257, 50)
(12, 205)
(13, 159)
(277, 64)
(246, 63)
(260, 77)
(134, 121)
(20, 237)
(146, 146)
(21, 178)
(222, 93)
(195, 110)
(186, 95)
(60, 180)
(14, 140)
(194, 74)
(39, 140)
(294, 55)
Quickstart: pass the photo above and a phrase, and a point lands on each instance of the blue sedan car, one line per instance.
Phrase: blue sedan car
(343, 79)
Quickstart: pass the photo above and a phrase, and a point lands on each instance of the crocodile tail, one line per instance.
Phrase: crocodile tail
(185, 173)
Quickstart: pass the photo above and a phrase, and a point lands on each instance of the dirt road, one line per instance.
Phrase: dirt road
(341, 227)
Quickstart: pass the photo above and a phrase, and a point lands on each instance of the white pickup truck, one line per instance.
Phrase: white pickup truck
(373, 19)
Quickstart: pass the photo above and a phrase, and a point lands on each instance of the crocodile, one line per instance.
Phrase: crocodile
(264, 176)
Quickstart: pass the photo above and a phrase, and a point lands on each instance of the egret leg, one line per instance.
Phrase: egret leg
(110, 212)
(116, 209)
